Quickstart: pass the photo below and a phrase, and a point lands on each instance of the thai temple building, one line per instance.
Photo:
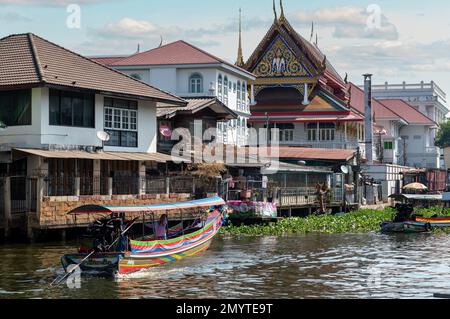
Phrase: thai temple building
(298, 91)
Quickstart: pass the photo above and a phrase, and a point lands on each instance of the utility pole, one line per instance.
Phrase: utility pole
(357, 171)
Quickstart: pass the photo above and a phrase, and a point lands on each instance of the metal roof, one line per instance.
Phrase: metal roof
(112, 156)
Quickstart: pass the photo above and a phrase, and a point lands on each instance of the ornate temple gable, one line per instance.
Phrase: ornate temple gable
(280, 61)
(283, 37)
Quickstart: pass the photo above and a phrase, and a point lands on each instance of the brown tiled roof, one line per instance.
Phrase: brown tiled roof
(108, 60)
(406, 111)
(26, 59)
(303, 153)
(195, 105)
(357, 102)
(179, 52)
(388, 109)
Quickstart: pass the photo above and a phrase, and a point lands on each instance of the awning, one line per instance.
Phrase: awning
(200, 203)
(418, 197)
(111, 156)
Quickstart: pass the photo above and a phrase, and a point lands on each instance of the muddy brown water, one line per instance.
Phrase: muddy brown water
(311, 266)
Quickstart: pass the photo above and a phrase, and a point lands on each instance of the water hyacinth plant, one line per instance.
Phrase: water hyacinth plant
(361, 221)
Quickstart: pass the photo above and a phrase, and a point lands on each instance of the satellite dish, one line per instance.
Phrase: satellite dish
(103, 136)
(345, 169)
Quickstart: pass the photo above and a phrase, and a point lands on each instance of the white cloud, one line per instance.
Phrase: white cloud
(129, 28)
(349, 22)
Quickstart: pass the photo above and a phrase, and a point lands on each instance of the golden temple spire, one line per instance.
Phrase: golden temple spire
(240, 56)
(282, 10)
(275, 11)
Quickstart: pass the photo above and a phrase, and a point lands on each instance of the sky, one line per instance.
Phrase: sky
(396, 40)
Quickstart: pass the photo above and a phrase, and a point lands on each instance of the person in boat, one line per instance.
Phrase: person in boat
(161, 228)
(404, 213)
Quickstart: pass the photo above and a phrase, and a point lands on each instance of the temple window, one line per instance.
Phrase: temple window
(321, 131)
(196, 83)
(286, 132)
(327, 131)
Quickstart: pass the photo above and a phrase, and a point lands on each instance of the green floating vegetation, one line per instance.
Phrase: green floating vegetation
(361, 221)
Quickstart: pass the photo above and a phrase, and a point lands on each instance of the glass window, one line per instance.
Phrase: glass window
(388, 145)
(238, 95)
(225, 91)
(196, 83)
(72, 109)
(121, 122)
(15, 107)
(220, 87)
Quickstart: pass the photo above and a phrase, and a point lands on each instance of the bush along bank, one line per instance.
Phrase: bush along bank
(361, 221)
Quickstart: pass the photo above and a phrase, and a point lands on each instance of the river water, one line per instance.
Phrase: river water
(311, 266)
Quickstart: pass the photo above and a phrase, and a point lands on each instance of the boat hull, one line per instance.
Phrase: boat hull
(134, 263)
(407, 227)
(101, 263)
(438, 222)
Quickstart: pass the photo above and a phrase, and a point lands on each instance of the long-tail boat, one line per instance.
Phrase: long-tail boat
(146, 252)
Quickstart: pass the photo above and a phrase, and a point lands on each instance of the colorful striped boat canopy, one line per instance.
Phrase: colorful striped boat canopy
(94, 209)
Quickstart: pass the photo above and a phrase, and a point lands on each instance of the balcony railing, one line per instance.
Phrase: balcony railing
(338, 144)
(303, 196)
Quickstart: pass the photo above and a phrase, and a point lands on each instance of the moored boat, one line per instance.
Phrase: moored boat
(146, 251)
(438, 222)
(405, 227)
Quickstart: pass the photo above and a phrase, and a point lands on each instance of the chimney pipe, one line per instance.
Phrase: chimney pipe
(369, 119)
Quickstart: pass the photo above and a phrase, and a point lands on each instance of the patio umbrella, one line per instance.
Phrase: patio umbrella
(415, 187)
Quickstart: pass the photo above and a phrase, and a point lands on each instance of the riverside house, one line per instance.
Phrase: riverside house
(54, 102)
(215, 89)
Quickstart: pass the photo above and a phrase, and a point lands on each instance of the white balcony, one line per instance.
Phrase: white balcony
(336, 144)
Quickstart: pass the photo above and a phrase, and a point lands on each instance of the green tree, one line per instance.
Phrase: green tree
(2, 125)
(443, 135)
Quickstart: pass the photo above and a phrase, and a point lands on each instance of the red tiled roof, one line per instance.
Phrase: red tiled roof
(407, 112)
(303, 153)
(108, 60)
(179, 52)
(380, 111)
(28, 60)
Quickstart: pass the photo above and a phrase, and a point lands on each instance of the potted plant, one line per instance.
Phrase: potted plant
(205, 174)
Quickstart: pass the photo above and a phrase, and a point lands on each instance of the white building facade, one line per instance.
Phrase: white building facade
(193, 74)
(427, 98)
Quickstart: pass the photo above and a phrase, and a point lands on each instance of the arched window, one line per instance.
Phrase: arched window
(196, 83)
(220, 87)
(225, 90)
(239, 95)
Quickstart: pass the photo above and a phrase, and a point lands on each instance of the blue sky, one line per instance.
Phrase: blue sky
(410, 44)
